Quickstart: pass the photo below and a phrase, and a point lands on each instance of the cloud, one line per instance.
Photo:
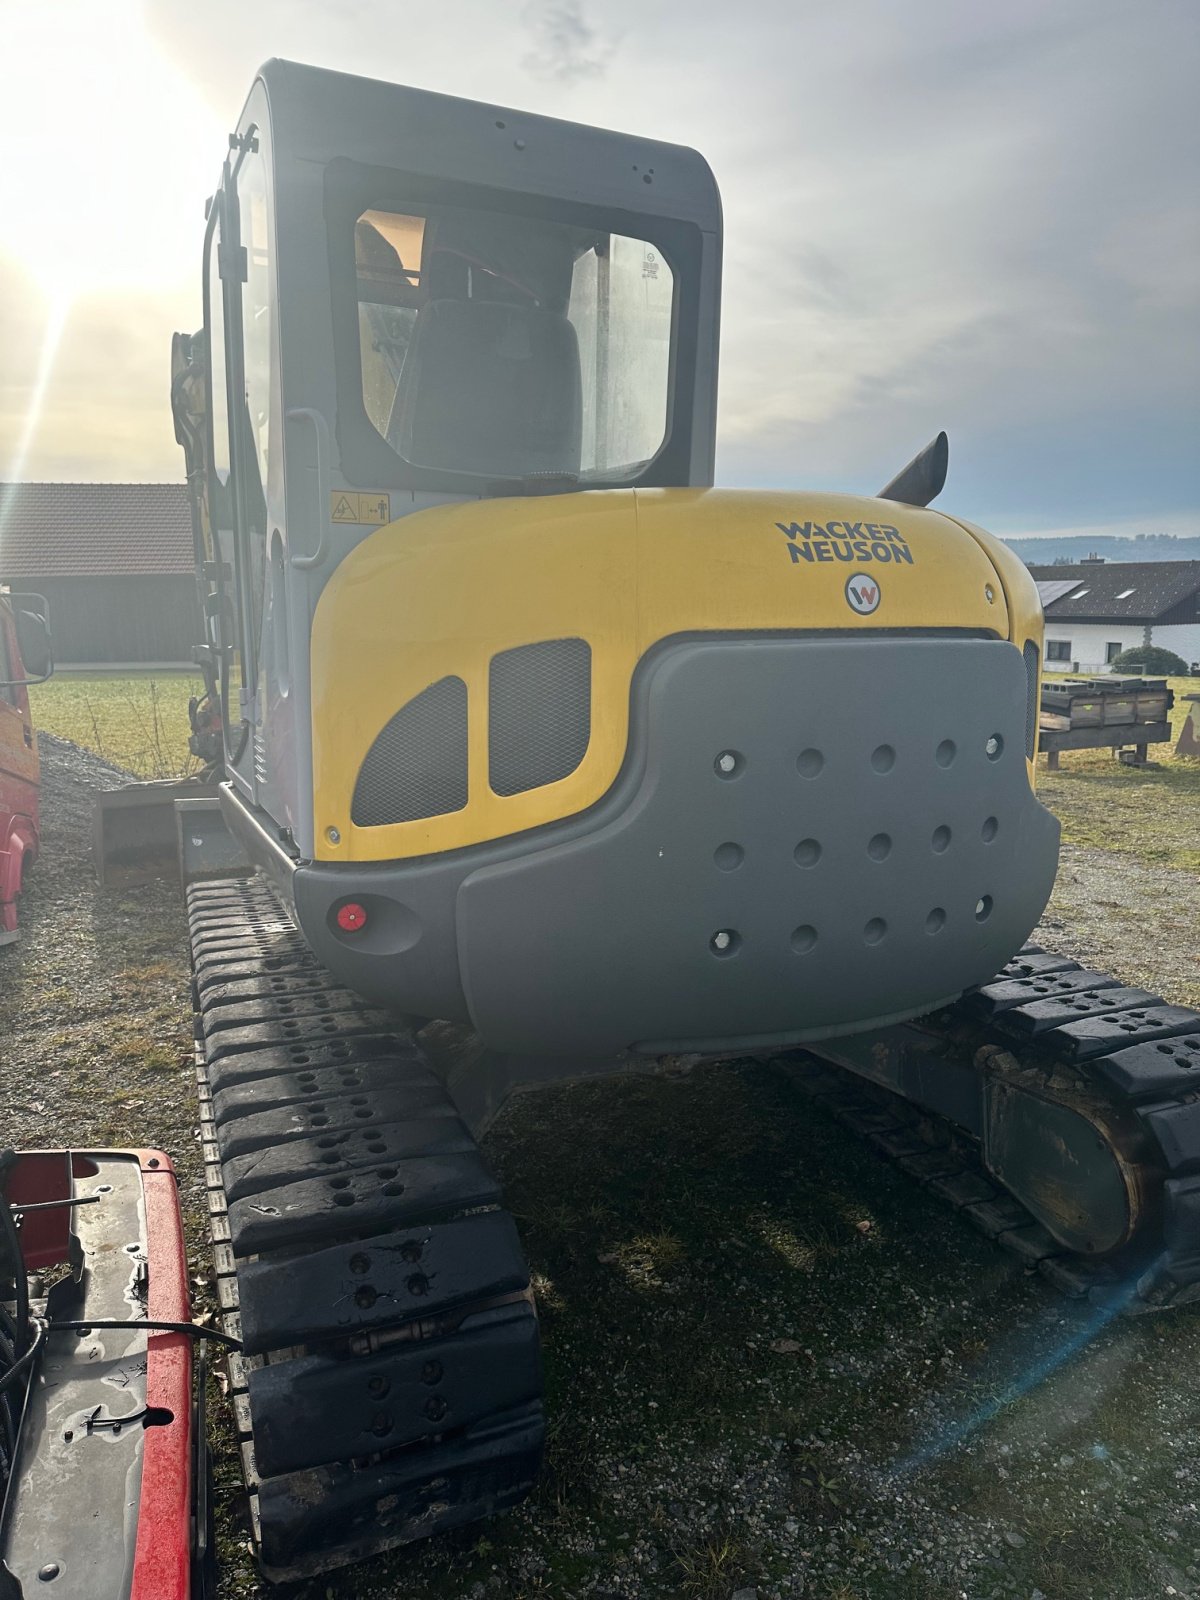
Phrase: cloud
(566, 46)
(978, 218)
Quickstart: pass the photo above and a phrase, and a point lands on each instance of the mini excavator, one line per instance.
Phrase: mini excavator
(533, 734)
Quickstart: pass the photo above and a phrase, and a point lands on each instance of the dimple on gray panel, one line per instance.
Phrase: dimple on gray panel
(417, 766)
(539, 713)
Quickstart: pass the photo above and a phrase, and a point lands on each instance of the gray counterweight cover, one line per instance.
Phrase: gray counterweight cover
(875, 850)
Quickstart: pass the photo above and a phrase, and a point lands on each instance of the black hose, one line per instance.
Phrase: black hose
(26, 1360)
(195, 1330)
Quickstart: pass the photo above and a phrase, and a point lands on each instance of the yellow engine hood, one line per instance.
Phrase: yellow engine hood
(441, 591)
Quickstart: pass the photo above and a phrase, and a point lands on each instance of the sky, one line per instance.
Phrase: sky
(984, 218)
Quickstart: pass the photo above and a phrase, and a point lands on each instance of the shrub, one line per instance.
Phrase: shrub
(1153, 659)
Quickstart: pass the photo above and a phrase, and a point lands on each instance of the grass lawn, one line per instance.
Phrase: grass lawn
(1151, 812)
(138, 722)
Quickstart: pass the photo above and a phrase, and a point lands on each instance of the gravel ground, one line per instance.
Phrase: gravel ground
(1138, 920)
(775, 1367)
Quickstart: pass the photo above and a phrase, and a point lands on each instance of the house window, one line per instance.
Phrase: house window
(1112, 650)
(1124, 594)
(1058, 650)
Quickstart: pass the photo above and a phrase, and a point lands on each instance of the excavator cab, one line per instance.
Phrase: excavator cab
(605, 758)
(410, 301)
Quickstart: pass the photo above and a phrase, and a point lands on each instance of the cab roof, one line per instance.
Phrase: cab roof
(318, 115)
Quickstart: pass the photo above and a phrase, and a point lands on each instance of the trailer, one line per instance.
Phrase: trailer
(1127, 715)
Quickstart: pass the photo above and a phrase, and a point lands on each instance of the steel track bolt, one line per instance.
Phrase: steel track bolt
(365, 1297)
(377, 1387)
(431, 1372)
(359, 1263)
(989, 594)
(410, 1250)
(418, 1284)
(435, 1408)
(381, 1424)
(333, 835)
(49, 1572)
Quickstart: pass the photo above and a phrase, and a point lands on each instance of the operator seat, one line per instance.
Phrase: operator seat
(490, 387)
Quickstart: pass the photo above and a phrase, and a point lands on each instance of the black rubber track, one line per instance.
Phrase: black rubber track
(390, 1385)
(1051, 1014)
(390, 1382)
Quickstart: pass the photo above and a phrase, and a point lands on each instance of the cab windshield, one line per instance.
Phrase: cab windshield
(513, 349)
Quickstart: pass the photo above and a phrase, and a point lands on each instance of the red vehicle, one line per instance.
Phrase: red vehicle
(24, 659)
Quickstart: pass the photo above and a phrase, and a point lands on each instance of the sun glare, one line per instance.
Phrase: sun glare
(109, 151)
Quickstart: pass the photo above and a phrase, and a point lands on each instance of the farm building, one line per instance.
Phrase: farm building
(115, 563)
(1096, 608)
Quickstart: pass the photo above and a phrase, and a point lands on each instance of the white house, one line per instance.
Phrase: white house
(1097, 608)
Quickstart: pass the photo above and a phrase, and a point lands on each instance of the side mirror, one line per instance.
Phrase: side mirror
(33, 639)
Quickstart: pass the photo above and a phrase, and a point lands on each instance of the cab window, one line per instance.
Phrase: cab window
(509, 348)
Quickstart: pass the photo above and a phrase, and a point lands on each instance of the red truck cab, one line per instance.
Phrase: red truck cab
(19, 772)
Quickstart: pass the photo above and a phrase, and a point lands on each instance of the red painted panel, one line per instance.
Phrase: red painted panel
(162, 1554)
(41, 1175)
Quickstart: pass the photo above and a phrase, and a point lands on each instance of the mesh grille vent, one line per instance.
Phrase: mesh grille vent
(417, 767)
(539, 713)
(1030, 653)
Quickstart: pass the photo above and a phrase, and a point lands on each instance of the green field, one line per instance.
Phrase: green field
(140, 723)
(136, 722)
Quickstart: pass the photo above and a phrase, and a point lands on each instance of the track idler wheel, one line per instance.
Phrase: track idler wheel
(1079, 1162)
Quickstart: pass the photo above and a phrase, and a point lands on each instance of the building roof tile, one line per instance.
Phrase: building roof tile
(1115, 591)
(94, 530)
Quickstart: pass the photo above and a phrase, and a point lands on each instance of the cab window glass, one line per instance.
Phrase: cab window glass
(256, 365)
(218, 396)
(501, 346)
(256, 310)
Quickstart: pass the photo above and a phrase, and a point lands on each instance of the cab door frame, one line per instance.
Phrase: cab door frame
(237, 486)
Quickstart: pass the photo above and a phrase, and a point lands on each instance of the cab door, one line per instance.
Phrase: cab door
(239, 317)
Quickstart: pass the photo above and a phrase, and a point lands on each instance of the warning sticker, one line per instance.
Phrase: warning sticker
(345, 505)
(375, 509)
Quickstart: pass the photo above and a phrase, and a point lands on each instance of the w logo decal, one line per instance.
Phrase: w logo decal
(862, 594)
